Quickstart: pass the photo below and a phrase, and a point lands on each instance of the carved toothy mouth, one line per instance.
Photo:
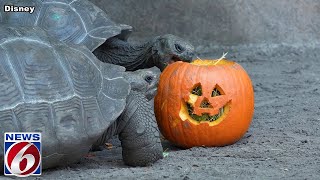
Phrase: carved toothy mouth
(202, 111)
(204, 116)
(212, 120)
(186, 113)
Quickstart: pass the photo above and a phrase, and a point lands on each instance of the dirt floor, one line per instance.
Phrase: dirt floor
(283, 140)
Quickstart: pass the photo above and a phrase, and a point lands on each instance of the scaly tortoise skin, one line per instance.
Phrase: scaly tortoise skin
(81, 22)
(72, 98)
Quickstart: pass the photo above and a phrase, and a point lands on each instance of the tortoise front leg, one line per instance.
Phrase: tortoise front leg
(139, 134)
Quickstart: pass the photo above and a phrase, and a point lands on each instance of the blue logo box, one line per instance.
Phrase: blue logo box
(22, 154)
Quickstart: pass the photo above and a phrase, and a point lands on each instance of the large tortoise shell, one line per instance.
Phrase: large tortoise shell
(60, 90)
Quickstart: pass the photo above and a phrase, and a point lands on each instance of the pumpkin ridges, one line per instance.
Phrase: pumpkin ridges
(165, 90)
(241, 101)
(200, 75)
(220, 68)
(165, 125)
(167, 122)
(195, 134)
(186, 91)
(176, 81)
(187, 69)
(212, 73)
(235, 111)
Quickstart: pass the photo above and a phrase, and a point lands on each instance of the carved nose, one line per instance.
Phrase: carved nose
(209, 105)
(205, 103)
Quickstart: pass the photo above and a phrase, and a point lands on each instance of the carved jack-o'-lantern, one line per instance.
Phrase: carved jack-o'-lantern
(204, 103)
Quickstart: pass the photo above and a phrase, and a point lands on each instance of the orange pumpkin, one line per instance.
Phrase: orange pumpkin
(204, 103)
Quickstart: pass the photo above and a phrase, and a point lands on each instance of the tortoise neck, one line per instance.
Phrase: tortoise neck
(131, 56)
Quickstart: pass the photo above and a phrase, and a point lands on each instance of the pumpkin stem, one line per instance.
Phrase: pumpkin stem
(222, 57)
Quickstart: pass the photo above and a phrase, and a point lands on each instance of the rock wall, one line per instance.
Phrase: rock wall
(221, 22)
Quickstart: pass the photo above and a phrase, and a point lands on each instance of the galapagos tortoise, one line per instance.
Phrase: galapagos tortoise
(73, 99)
(81, 22)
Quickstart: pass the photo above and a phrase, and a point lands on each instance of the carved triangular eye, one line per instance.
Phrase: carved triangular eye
(216, 91)
(197, 90)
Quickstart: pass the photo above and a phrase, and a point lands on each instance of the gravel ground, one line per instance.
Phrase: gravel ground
(283, 140)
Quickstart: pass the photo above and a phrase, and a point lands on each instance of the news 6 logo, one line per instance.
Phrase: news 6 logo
(22, 154)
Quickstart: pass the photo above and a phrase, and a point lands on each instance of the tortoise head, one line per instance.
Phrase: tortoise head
(169, 49)
(144, 81)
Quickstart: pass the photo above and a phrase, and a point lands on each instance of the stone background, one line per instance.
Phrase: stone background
(221, 22)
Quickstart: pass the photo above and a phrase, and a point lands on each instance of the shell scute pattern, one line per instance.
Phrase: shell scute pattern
(74, 22)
